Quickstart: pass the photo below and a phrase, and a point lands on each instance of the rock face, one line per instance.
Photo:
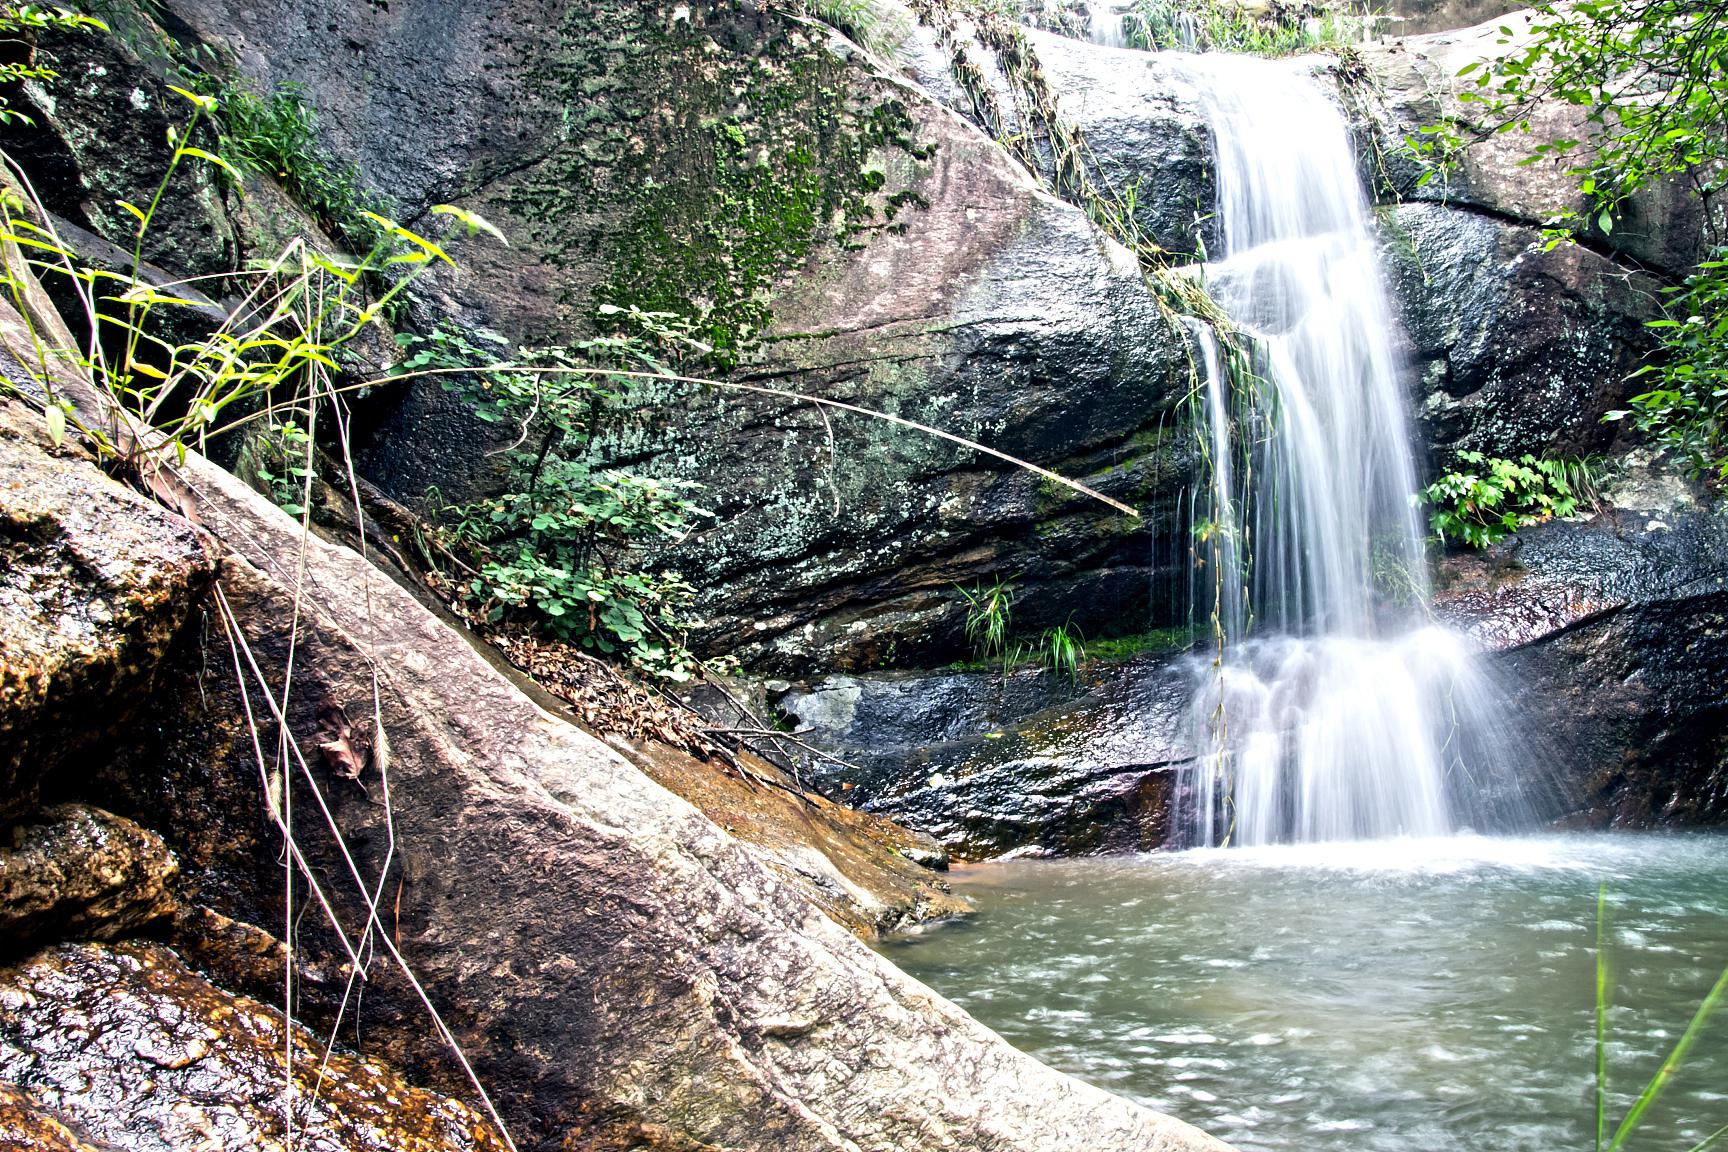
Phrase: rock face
(834, 227)
(607, 957)
(1519, 348)
(1612, 629)
(992, 763)
(1662, 228)
(95, 584)
(81, 872)
(135, 1053)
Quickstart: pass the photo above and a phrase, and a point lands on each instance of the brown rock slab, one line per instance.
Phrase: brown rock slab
(76, 871)
(95, 581)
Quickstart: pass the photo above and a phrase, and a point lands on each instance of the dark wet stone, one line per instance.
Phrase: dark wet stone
(1517, 347)
(131, 1050)
(1613, 629)
(991, 764)
(75, 871)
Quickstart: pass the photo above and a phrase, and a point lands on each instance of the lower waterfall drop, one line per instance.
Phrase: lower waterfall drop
(1332, 708)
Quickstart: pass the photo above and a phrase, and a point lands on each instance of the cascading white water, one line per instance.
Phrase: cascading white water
(1105, 25)
(1332, 710)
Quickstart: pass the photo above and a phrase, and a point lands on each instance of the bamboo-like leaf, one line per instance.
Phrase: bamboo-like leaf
(473, 221)
(190, 150)
(207, 103)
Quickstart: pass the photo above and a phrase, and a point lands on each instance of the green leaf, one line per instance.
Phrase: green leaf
(189, 150)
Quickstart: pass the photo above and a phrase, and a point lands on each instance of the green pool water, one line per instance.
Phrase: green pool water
(1418, 996)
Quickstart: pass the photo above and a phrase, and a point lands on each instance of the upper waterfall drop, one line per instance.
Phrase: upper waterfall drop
(1332, 710)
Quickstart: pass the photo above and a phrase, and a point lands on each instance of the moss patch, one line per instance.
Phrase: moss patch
(707, 149)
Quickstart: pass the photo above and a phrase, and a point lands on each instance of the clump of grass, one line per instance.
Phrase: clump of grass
(1224, 26)
(1062, 649)
(989, 616)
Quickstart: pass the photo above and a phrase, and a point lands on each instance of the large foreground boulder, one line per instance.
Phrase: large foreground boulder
(598, 947)
(608, 959)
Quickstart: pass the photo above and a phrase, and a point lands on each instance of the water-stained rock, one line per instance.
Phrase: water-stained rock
(991, 763)
(814, 213)
(76, 871)
(25, 1124)
(1519, 346)
(866, 872)
(122, 1047)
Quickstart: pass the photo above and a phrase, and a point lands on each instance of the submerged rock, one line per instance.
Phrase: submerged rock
(131, 1051)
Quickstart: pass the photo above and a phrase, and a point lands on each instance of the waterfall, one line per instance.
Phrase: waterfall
(1331, 709)
(1105, 25)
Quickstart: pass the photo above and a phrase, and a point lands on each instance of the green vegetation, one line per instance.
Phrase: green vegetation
(135, 396)
(1651, 77)
(1225, 26)
(1158, 640)
(1687, 410)
(277, 136)
(1062, 649)
(560, 548)
(17, 21)
(989, 616)
(1498, 496)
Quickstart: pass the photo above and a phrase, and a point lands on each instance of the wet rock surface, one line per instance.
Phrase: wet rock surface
(1518, 347)
(1614, 627)
(1025, 762)
(129, 1050)
(76, 871)
(620, 971)
(95, 583)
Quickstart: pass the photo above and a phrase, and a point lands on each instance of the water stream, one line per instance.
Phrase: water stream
(1331, 709)
(1389, 996)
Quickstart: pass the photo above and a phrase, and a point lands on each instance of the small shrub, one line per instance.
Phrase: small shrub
(1687, 411)
(561, 548)
(276, 135)
(1496, 497)
(1225, 26)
